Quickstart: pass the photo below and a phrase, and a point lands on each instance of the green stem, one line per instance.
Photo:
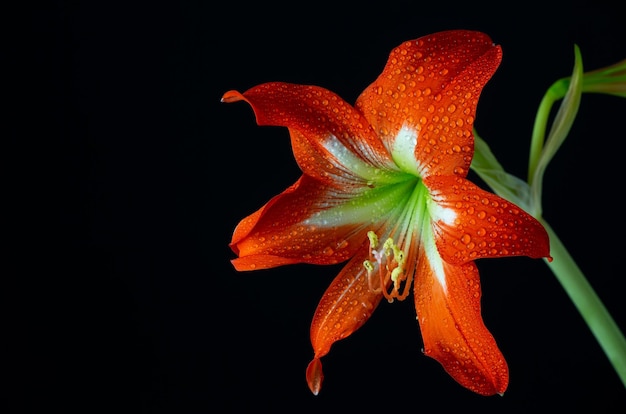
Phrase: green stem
(556, 91)
(588, 303)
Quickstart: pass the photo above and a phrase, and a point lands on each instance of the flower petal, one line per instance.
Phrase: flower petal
(452, 328)
(283, 232)
(429, 89)
(346, 305)
(470, 223)
(331, 140)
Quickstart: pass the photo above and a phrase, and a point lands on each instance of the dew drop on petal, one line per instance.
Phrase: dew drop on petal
(342, 245)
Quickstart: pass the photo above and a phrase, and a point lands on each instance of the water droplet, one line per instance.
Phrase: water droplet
(342, 245)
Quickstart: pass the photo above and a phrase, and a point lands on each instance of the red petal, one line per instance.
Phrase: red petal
(319, 122)
(277, 233)
(346, 305)
(431, 85)
(478, 224)
(315, 375)
(453, 330)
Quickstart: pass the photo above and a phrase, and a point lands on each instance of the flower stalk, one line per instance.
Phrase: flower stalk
(591, 308)
(610, 80)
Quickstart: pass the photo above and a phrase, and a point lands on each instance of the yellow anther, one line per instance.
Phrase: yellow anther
(385, 271)
(368, 266)
(395, 274)
(388, 246)
(398, 255)
(373, 239)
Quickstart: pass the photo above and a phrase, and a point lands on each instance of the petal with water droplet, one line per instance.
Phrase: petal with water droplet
(470, 223)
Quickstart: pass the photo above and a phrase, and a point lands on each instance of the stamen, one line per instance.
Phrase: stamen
(390, 261)
(373, 239)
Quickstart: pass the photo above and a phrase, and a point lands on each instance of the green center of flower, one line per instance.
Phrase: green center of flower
(391, 266)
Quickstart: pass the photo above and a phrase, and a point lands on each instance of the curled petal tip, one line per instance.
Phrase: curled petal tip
(314, 375)
(232, 96)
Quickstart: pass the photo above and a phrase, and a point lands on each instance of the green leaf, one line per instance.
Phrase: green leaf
(491, 172)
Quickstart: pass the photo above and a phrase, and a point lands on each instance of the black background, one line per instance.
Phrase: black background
(126, 177)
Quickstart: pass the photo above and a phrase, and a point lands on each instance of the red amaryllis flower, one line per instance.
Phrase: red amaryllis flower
(384, 188)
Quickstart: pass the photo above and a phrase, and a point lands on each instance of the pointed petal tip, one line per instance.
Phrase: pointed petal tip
(314, 375)
(232, 96)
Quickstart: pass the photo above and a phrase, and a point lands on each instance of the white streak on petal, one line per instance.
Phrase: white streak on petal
(346, 159)
(434, 258)
(403, 150)
(444, 214)
(439, 213)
